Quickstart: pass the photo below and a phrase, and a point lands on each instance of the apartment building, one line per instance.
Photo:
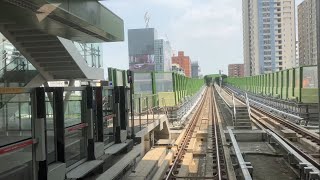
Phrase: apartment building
(268, 35)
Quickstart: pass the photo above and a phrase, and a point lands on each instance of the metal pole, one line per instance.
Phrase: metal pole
(318, 50)
(131, 102)
(147, 102)
(153, 105)
(140, 112)
(20, 129)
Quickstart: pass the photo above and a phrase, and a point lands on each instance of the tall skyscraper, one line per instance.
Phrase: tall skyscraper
(163, 54)
(184, 62)
(141, 49)
(148, 53)
(268, 35)
(307, 32)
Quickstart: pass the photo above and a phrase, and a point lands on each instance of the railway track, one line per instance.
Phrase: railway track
(214, 151)
(258, 113)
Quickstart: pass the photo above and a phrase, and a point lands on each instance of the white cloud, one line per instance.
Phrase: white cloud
(210, 32)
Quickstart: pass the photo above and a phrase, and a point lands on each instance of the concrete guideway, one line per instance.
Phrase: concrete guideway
(195, 142)
(283, 137)
(300, 136)
(150, 160)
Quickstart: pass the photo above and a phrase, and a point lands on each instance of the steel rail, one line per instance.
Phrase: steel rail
(315, 137)
(218, 175)
(215, 124)
(244, 168)
(256, 112)
(310, 159)
(296, 128)
(186, 138)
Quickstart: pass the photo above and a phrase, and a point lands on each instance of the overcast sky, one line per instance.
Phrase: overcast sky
(209, 31)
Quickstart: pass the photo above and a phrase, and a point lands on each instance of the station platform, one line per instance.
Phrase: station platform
(157, 128)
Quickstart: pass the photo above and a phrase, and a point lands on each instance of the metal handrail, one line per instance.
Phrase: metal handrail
(248, 105)
(234, 109)
(148, 108)
(254, 101)
(86, 52)
(6, 65)
(243, 165)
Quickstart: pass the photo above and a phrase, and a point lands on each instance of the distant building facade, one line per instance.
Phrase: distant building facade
(307, 28)
(236, 70)
(184, 62)
(268, 35)
(148, 53)
(176, 68)
(141, 49)
(163, 54)
(195, 69)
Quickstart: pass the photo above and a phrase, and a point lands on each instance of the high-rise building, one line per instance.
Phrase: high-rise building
(195, 69)
(307, 32)
(148, 53)
(268, 35)
(141, 49)
(297, 54)
(184, 62)
(236, 70)
(163, 54)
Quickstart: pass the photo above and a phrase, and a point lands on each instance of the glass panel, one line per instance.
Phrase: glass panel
(284, 78)
(75, 139)
(51, 146)
(107, 120)
(94, 14)
(25, 116)
(18, 164)
(310, 78)
(75, 148)
(164, 82)
(297, 77)
(119, 78)
(13, 63)
(142, 83)
(15, 126)
(290, 78)
(91, 52)
(72, 114)
(15, 114)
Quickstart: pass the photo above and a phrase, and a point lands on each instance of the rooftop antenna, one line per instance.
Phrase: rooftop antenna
(147, 19)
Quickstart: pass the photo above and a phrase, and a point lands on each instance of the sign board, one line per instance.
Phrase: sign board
(11, 90)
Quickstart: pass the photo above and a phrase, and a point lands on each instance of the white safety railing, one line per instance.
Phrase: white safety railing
(234, 110)
(246, 167)
(248, 105)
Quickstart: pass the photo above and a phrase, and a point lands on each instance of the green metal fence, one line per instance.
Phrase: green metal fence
(299, 84)
(170, 87)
